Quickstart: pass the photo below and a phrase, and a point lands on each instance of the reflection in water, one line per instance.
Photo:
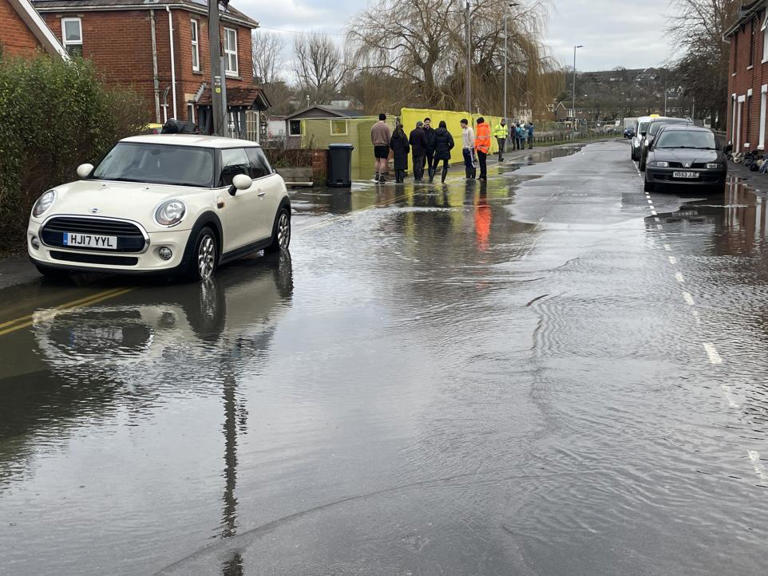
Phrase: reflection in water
(483, 218)
(133, 356)
(732, 223)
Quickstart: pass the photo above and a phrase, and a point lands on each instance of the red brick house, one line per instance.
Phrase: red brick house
(23, 31)
(159, 48)
(748, 77)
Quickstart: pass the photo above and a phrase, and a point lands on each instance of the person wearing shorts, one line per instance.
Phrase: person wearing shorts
(381, 135)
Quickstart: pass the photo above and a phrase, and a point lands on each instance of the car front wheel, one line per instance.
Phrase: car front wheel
(648, 186)
(281, 233)
(204, 257)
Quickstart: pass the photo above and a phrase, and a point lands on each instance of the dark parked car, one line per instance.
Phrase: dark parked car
(687, 156)
(629, 133)
(653, 130)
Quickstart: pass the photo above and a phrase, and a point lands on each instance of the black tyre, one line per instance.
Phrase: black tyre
(648, 186)
(281, 231)
(203, 259)
(52, 273)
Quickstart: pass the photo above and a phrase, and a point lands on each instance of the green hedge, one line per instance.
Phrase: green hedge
(53, 116)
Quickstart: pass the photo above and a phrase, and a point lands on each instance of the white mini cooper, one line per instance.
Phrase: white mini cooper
(180, 204)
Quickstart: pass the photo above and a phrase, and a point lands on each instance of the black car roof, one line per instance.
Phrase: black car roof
(687, 127)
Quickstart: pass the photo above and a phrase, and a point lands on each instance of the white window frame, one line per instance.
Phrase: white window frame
(346, 127)
(764, 30)
(195, 31)
(66, 43)
(763, 110)
(229, 52)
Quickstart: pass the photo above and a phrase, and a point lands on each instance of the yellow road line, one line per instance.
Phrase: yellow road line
(26, 321)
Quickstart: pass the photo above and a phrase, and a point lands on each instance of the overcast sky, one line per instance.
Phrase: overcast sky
(627, 33)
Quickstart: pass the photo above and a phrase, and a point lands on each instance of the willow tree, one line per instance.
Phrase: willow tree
(422, 44)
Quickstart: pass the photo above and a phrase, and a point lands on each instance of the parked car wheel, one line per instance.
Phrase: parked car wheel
(648, 186)
(281, 232)
(204, 258)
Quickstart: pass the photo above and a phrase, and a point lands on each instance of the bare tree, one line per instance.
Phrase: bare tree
(411, 40)
(319, 66)
(423, 44)
(702, 68)
(267, 56)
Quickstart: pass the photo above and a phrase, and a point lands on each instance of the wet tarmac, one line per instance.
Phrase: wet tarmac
(549, 374)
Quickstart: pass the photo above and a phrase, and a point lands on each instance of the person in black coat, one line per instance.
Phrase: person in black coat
(400, 148)
(429, 134)
(418, 142)
(443, 146)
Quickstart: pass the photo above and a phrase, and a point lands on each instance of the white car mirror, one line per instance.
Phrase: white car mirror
(240, 182)
(84, 171)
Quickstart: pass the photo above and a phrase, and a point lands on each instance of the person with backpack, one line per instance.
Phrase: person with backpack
(530, 135)
(400, 148)
(443, 145)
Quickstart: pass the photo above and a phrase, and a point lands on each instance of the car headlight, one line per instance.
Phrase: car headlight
(43, 203)
(170, 213)
(659, 164)
(714, 165)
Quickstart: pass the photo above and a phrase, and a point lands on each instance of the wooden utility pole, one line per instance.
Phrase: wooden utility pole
(218, 78)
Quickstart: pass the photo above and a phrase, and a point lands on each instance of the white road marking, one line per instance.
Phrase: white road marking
(729, 396)
(679, 277)
(659, 227)
(696, 316)
(673, 260)
(760, 470)
(667, 247)
(714, 356)
(688, 299)
(657, 219)
(650, 201)
(654, 213)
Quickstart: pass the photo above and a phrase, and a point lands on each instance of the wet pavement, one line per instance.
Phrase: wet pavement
(552, 373)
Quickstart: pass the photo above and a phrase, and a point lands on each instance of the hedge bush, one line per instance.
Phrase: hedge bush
(54, 116)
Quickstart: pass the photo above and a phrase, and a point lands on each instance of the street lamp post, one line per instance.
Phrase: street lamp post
(469, 65)
(506, 17)
(574, 82)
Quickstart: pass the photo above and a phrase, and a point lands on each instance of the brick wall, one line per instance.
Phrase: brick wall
(746, 74)
(15, 35)
(120, 45)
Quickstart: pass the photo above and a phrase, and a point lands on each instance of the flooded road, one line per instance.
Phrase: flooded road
(551, 373)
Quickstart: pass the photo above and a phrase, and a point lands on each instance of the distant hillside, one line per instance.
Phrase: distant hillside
(615, 94)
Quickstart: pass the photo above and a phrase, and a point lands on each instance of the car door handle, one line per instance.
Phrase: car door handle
(261, 192)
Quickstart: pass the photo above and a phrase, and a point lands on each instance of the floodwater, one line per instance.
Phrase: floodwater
(551, 373)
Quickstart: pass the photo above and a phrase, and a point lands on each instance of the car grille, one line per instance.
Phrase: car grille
(129, 237)
(698, 165)
(94, 258)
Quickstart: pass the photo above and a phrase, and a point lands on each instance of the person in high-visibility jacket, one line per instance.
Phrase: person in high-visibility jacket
(500, 132)
(483, 146)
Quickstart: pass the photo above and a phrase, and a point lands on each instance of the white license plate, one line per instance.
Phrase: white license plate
(685, 174)
(90, 241)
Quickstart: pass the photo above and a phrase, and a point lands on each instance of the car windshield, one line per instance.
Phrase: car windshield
(656, 126)
(687, 139)
(643, 127)
(158, 164)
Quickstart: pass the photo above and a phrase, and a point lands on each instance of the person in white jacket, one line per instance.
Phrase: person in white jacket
(468, 148)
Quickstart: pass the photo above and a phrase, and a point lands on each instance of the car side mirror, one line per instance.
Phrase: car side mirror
(240, 182)
(84, 171)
